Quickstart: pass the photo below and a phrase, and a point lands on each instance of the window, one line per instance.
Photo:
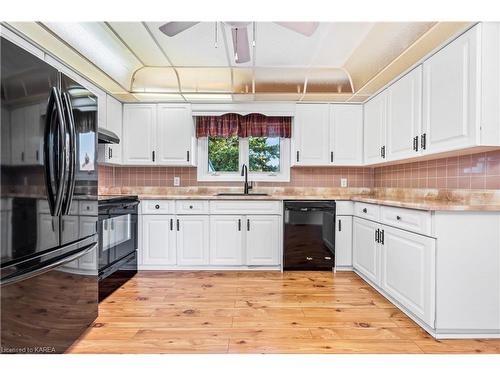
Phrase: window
(221, 159)
(223, 154)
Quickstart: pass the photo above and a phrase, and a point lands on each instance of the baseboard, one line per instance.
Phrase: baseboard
(142, 267)
(344, 268)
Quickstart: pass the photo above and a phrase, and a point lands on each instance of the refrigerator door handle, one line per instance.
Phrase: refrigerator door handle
(39, 270)
(69, 152)
(54, 197)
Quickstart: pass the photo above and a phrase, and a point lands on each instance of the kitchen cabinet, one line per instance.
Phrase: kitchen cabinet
(160, 134)
(375, 114)
(327, 134)
(365, 249)
(175, 140)
(404, 116)
(48, 232)
(343, 242)
(69, 228)
(346, 134)
(192, 240)
(451, 95)
(262, 239)
(408, 271)
(226, 239)
(112, 153)
(310, 140)
(139, 133)
(159, 237)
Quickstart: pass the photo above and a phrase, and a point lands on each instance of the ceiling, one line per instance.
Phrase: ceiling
(340, 61)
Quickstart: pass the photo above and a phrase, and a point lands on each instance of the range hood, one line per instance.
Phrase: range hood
(107, 136)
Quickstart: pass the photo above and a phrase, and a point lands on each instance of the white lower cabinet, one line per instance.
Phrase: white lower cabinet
(343, 242)
(226, 240)
(262, 240)
(408, 271)
(158, 240)
(366, 257)
(192, 240)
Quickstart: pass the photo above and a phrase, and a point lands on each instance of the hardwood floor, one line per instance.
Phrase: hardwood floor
(258, 312)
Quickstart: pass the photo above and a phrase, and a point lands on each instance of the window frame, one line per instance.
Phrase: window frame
(282, 176)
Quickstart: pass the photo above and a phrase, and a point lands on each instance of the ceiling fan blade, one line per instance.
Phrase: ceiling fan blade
(174, 28)
(241, 47)
(304, 28)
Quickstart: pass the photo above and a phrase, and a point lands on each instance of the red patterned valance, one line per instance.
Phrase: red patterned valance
(251, 125)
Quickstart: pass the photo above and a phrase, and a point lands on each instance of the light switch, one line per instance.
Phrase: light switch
(177, 181)
(343, 182)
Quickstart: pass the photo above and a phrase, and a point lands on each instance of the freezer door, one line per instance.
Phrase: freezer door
(28, 219)
(79, 209)
(46, 304)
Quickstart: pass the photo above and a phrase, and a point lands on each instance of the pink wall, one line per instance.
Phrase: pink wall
(478, 171)
(164, 176)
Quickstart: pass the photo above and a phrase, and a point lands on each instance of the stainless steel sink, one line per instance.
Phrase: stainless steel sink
(241, 194)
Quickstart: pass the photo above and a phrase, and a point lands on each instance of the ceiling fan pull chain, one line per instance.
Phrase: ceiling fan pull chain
(236, 45)
(216, 36)
(253, 34)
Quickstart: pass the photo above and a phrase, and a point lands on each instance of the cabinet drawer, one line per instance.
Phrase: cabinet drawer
(86, 208)
(183, 207)
(157, 207)
(404, 218)
(241, 207)
(367, 211)
(344, 207)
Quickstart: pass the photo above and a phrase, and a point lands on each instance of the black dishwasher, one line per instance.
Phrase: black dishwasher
(309, 243)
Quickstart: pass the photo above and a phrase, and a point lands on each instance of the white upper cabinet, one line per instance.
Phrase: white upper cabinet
(346, 134)
(160, 134)
(175, 141)
(451, 85)
(114, 120)
(139, 131)
(310, 144)
(404, 116)
(375, 114)
(26, 133)
(328, 135)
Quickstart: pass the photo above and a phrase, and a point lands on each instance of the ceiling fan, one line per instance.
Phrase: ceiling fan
(239, 32)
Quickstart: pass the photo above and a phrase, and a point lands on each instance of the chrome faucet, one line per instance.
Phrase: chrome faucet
(244, 172)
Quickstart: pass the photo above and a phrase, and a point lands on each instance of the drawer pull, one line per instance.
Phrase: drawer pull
(309, 258)
(191, 207)
(398, 217)
(365, 210)
(157, 206)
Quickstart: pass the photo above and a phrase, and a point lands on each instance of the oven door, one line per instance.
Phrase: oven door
(117, 236)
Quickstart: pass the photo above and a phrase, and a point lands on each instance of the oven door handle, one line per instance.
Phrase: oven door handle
(18, 277)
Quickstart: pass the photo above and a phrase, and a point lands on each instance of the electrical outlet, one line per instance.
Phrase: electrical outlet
(177, 181)
(343, 182)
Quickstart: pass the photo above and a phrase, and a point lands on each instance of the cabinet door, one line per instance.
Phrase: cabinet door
(375, 112)
(310, 141)
(139, 132)
(33, 143)
(343, 241)
(404, 116)
(408, 271)
(192, 240)
(346, 134)
(48, 231)
(226, 240)
(366, 257)
(175, 137)
(262, 240)
(69, 229)
(158, 240)
(114, 120)
(451, 95)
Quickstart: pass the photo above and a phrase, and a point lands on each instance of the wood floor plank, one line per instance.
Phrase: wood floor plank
(258, 312)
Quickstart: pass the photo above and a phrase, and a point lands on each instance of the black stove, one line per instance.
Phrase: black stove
(118, 235)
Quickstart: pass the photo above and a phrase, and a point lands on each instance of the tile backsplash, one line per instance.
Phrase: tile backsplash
(477, 171)
(164, 176)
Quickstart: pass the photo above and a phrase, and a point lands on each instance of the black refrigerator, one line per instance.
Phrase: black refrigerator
(48, 270)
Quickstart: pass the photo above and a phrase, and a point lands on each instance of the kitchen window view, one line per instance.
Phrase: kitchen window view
(264, 154)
